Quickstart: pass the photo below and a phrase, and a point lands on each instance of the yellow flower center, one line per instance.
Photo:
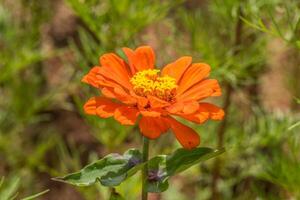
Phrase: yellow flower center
(148, 82)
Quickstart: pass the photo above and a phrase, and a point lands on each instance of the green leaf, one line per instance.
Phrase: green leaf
(297, 99)
(114, 168)
(183, 159)
(1, 181)
(115, 196)
(298, 44)
(161, 168)
(9, 190)
(109, 171)
(294, 126)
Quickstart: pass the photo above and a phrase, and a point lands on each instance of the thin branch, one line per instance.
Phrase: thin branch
(223, 124)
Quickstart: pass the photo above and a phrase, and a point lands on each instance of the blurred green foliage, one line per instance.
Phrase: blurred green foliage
(9, 191)
(225, 41)
(262, 159)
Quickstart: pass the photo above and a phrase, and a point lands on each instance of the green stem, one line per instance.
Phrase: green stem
(145, 168)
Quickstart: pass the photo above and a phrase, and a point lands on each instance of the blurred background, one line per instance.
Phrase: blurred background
(253, 47)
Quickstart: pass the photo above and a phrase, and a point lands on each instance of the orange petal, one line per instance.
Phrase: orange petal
(113, 67)
(183, 107)
(126, 115)
(119, 94)
(142, 101)
(215, 112)
(176, 107)
(150, 113)
(91, 77)
(95, 79)
(186, 136)
(140, 59)
(193, 75)
(113, 61)
(90, 106)
(100, 106)
(153, 127)
(203, 89)
(108, 92)
(177, 68)
(131, 57)
(206, 111)
(190, 107)
(156, 102)
(124, 96)
(199, 117)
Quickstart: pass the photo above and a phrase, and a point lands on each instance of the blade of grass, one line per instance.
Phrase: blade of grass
(36, 195)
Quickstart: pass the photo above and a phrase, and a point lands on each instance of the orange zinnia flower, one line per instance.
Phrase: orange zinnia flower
(136, 89)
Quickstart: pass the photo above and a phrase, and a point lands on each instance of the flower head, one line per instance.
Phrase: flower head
(148, 82)
(135, 91)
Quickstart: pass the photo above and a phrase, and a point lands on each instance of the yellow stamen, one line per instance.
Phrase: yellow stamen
(148, 82)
